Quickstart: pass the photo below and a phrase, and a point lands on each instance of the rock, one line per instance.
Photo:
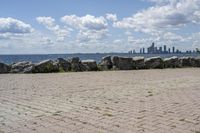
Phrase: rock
(122, 63)
(185, 61)
(138, 62)
(172, 62)
(22, 67)
(115, 62)
(63, 65)
(46, 66)
(195, 62)
(29, 69)
(154, 62)
(90, 65)
(76, 65)
(4, 68)
(74, 60)
(106, 63)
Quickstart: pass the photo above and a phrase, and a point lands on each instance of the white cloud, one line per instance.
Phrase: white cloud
(49, 23)
(90, 28)
(86, 22)
(112, 17)
(14, 26)
(195, 37)
(91, 35)
(172, 14)
(173, 37)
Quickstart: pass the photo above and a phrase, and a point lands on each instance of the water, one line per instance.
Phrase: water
(9, 59)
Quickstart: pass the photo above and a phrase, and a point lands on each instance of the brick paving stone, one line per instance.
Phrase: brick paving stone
(146, 101)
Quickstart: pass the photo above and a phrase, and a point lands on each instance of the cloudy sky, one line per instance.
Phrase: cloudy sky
(80, 26)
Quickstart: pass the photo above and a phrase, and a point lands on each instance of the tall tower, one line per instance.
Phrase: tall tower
(153, 44)
(173, 50)
(165, 49)
(160, 49)
(169, 50)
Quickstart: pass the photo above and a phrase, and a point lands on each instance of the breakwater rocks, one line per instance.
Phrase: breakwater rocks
(107, 63)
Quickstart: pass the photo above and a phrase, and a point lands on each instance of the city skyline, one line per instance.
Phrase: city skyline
(94, 26)
(153, 49)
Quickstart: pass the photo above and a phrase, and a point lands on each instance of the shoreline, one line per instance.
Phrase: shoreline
(74, 64)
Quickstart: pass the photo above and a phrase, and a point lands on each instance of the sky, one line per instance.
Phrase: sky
(91, 26)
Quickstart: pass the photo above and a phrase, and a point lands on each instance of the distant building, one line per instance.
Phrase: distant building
(169, 50)
(140, 51)
(173, 50)
(151, 49)
(160, 50)
(143, 50)
(165, 49)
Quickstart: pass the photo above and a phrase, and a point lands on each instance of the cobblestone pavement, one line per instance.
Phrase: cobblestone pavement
(146, 101)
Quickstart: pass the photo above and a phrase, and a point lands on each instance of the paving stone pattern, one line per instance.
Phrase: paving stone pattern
(144, 101)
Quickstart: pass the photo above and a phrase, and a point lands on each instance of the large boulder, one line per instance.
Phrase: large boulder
(22, 67)
(172, 62)
(106, 63)
(76, 65)
(115, 62)
(90, 65)
(122, 63)
(185, 61)
(4, 68)
(195, 62)
(46, 66)
(154, 62)
(138, 63)
(63, 65)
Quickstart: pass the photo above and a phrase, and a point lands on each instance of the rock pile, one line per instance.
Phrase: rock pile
(107, 63)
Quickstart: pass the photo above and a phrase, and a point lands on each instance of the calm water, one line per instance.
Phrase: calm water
(37, 58)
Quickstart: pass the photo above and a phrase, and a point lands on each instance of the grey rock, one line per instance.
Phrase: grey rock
(185, 61)
(90, 65)
(63, 65)
(74, 60)
(4, 68)
(154, 62)
(76, 65)
(115, 62)
(106, 63)
(138, 63)
(22, 67)
(122, 63)
(172, 62)
(46, 66)
(195, 62)
(29, 69)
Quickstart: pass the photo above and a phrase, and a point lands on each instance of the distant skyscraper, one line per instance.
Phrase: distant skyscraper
(160, 49)
(165, 48)
(153, 44)
(143, 50)
(169, 50)
(173, 49)
(155, 50)
(151, 49)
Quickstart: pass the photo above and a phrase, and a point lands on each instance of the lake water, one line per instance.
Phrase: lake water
(96, 56)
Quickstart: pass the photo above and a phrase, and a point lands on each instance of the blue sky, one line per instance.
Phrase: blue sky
(77, 26)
